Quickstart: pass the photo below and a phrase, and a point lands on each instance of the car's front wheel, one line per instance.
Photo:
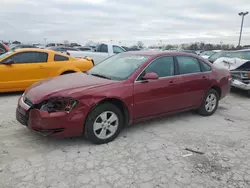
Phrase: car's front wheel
(210, 103)
(104, 123)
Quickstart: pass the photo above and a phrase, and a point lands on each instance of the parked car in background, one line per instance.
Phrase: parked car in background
(126, 88)
(83, 48)
(23, 67)
(19, 46)
(240, 71)
(3, 48)
(219, 54)
(75, 45)
(54, 44)
(101, 52)
(62, 49)
(188, 51)
(207, 54)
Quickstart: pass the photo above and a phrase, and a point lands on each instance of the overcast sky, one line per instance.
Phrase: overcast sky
(125, 21)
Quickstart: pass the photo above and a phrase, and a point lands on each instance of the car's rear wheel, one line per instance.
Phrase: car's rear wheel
(210, 103)
(104, 123)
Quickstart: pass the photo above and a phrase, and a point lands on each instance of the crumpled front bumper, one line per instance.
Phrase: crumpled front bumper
(59, 124)
(239, 84)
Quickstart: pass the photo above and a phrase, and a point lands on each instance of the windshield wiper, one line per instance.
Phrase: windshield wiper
(101, 76)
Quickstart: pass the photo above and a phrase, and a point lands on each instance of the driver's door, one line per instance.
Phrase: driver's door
(27, 68)
(154, 97)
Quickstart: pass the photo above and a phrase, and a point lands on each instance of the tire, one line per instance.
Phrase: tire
(98, 123)
(248, 93)
(203, 109)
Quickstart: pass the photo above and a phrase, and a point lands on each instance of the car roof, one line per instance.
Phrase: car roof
(161, 53)
(33, 50)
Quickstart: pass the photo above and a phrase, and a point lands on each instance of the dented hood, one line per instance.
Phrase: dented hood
(64, 85)
(230, 63)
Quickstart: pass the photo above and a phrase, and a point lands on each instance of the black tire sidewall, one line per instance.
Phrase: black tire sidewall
(89, 132)
(202, 110)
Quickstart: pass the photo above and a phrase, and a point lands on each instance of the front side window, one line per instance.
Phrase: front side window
(117, 49)
(60, 58)
(188, 65)
(118, 67)
(29, 57)
(163, 66)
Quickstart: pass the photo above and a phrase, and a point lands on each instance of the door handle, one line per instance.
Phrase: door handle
(204, 77)
(171, 82)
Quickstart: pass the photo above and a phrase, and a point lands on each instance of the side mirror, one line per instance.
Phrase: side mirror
(9, 62)
(150, 76)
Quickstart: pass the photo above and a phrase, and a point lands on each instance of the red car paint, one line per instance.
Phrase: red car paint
(142, 101)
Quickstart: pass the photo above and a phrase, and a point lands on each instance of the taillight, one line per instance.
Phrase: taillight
(68, 53)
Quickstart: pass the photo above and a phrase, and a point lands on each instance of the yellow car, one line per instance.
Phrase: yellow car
(21, 68)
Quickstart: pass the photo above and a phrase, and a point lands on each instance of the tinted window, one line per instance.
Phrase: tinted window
(104, 48)
(60, 58)
(188, 65)
(163, 67)
(29, 57)
(205, 67)
(117, 49)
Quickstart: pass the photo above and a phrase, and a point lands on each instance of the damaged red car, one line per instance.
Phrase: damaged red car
(122, 90)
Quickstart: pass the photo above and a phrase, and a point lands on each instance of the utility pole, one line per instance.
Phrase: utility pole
(242, 14)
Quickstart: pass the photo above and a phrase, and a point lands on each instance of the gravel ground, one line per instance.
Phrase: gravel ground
(147, 155)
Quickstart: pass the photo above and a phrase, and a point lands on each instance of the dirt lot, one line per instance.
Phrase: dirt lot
(147, 155)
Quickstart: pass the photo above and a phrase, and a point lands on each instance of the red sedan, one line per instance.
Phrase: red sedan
(123, 89)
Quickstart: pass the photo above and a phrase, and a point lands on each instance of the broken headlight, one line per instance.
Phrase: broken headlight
(58, 104)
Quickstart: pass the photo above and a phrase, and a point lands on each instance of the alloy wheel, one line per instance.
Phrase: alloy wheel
(105, 125)
(211, 101)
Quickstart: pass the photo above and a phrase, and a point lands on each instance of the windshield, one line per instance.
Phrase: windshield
(241, 55)
(118, 67)
(220, 54)
(5, 54)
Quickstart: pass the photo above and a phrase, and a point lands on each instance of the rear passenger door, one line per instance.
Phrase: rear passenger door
(194, 80)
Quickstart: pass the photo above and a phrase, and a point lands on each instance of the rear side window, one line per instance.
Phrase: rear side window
(104, 48)
(188, 65)
(60, 58)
